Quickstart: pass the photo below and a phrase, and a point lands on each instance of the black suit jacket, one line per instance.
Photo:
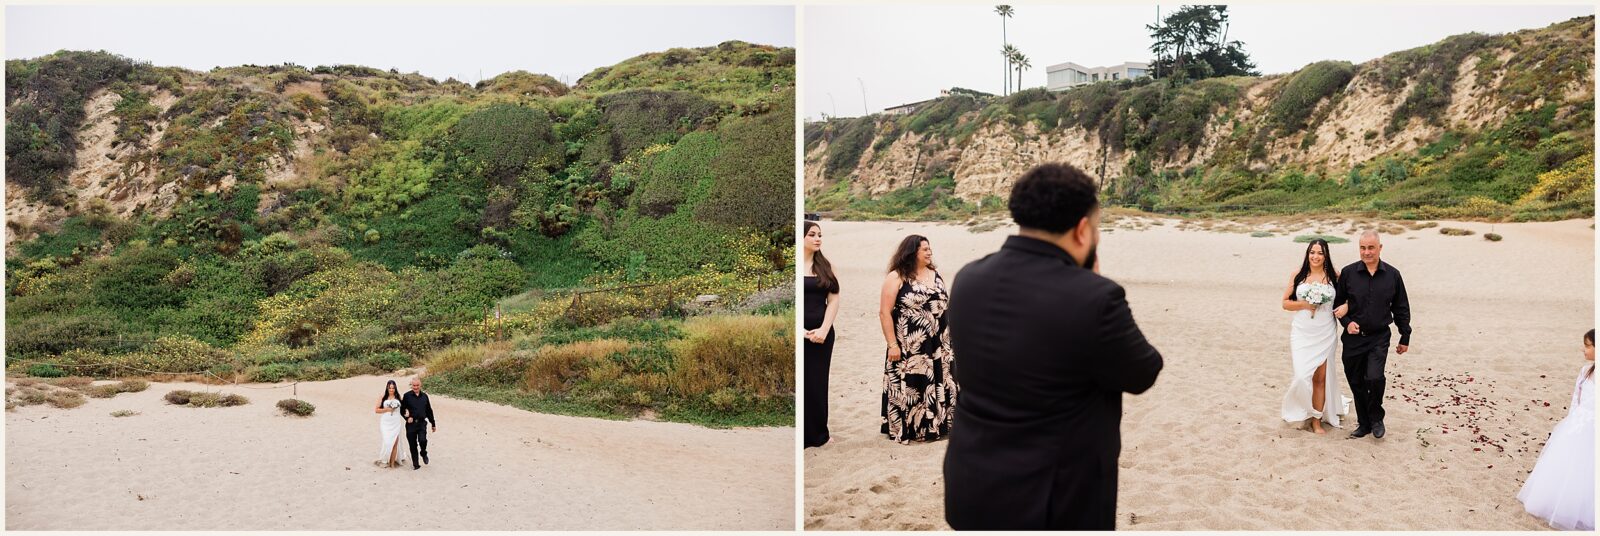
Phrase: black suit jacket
(415, 406)
(1046, 349)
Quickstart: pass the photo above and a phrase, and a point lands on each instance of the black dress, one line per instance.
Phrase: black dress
(818, 358)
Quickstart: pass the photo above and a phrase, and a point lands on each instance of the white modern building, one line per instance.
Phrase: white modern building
(1070, 75)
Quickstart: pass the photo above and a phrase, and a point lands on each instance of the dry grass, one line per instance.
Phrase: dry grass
(124, 413)
(72, 382)
(460, 357)
(34, 393)
(65, 399)
(752, 354)
(111, 390)
(555, 366)
(1492, 237)
(205, 400)
(1420, 225)
(1452, 231)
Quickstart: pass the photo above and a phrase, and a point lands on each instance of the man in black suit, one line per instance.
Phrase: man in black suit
(415, 408)
(1370, 294)
(1047, 347)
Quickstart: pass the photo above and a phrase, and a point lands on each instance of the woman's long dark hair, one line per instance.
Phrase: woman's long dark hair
(821, 266)
(386, 392)
(1305, 266)
(904, 261)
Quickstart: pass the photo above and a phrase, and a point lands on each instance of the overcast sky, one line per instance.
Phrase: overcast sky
(441, 42)
(903, 54)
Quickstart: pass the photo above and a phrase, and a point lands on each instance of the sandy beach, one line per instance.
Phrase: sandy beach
(493, 468)
(1498, 332)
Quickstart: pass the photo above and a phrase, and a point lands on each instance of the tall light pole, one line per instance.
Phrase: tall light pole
(863, 96)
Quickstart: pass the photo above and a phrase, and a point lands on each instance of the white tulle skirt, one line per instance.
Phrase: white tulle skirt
(1561, 488)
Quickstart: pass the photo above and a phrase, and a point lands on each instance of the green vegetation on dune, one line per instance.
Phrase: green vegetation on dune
(342, 220)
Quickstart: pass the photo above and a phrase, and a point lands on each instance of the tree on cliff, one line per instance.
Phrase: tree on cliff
(1191, 44)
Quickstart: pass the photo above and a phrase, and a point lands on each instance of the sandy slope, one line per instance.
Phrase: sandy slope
(1205, 448)
(493, 468)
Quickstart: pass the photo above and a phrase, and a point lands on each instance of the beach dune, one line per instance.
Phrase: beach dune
(1498, 329)
(493, 468)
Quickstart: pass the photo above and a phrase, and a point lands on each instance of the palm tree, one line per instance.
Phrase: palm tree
(1021, 62)
(1005, 12)
(1009, 53)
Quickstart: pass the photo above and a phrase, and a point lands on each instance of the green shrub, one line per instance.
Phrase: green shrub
(1304, 90)
(754, 186)
(640, 118)
(299, 408)
(390, 361)
(506, 139)
(1305, 239)
(847, 139)
(45, 370)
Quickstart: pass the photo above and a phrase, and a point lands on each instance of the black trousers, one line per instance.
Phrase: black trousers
(819, 358)
(417, 435)
(1364, 357)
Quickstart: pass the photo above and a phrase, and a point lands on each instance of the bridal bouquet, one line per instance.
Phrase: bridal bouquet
(391, 403)
(1316, 295)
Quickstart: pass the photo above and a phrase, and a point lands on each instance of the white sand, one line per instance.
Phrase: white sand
(1205, 448)
(493, 468)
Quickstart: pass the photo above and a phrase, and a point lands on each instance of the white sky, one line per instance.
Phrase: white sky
(908, 53)
(441, 42)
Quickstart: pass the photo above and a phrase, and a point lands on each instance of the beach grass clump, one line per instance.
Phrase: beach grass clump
(72, 382)
(299, 408)
(205, 400)
(1304, 239)
(65, 399)
(1452, 231)
(1492, 237)
(753, 355)
(114, 389)
(717, 370)
(554, 368)
(1260, 234)
(124, 413)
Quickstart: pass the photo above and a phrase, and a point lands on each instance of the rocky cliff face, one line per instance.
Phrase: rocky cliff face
(1350, 126)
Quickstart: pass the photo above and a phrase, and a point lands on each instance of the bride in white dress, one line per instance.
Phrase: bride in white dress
(1313, 340)
(391, 426)
(1561, 488)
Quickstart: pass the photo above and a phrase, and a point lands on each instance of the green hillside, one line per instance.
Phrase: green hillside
(280, 222)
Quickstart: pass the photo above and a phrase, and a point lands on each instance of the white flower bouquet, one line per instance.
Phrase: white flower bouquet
(1316, 295)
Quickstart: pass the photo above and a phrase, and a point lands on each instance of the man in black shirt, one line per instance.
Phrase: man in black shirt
(415, 408)
(1046, 348)
(1369, 296)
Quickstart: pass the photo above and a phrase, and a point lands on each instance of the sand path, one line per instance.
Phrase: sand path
(493, 468)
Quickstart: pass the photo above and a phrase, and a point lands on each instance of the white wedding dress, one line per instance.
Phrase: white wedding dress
(1561, 488)
(391, 426)
(1313, 341)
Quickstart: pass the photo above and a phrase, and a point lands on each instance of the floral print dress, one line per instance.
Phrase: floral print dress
(919, 390)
